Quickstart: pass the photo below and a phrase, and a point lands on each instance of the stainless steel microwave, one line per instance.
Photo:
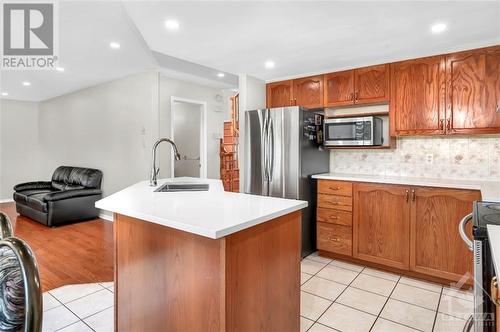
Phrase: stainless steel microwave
(353, 131)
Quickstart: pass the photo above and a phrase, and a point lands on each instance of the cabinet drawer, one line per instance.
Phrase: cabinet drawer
(343, 203)
(334, 238)
(334, 217)
(340, 188)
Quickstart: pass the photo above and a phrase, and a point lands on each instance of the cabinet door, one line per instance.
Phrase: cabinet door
(418, 96)
(308, 91)
(339, 88)
(381, 224)
(371, 84)
(436, 247)
(279, 94)
(473, 91)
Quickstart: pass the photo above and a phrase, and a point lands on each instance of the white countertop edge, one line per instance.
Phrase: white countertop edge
(494, 239)
(490, 190)
(203, 231)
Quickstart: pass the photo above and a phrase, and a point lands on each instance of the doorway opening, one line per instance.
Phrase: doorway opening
(188, 120)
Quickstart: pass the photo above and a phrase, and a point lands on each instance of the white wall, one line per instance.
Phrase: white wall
(252, 96)
(216, 114)
(106, 127)
(19, 157)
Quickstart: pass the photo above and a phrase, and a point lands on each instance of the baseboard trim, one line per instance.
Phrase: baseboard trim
(6, 200)
(106, 216)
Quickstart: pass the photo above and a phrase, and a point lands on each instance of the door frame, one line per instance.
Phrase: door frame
(203, 134)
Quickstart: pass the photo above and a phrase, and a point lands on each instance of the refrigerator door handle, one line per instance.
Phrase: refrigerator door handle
(461, 230)
(265, 145)
(270, 135)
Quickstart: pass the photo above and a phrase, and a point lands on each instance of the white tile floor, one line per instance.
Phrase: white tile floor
(79, 308)
(335, 296)
(340, 296)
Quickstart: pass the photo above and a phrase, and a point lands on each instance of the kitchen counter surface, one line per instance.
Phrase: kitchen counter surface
(494, 239)
(490, 190)
(214, 213)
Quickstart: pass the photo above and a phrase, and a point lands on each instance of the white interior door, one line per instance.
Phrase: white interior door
(189, 134)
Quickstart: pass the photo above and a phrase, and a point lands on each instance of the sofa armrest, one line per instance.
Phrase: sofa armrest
(65, 194)
(33, 185)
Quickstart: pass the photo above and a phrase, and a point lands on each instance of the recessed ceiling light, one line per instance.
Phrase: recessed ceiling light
(61, 69)
(114, 45)
(171, 24)
(221, 75)
(438, 27)
(26, 83)
(5, 94)
(269, 64)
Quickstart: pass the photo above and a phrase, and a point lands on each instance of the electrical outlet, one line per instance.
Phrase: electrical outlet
(429, 158)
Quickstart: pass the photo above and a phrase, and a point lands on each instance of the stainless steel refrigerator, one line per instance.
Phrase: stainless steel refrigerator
(282, 151)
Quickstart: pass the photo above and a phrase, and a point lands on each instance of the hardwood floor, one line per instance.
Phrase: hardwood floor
(72, 254)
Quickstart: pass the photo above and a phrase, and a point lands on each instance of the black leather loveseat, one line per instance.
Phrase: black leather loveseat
(69, 197)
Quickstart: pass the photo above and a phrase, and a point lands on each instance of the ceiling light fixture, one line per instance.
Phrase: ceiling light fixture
(26, 83)
(61, 69)
(172, 24)
(5, 94)
(269, 64)
(221, 75)
(114, 45)
(438, 27)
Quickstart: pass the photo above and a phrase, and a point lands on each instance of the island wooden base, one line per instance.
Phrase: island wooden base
(170, 280)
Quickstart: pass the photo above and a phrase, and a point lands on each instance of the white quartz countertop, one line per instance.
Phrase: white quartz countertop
(214, 213)
(490, 190)
(494, 237)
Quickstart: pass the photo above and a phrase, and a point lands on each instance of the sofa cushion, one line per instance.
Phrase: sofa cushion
(22, 196)
(70, 178)
(36, 202)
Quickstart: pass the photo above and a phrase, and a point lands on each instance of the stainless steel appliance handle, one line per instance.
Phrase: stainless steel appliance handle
(271, 149)
(461, 230)
(265, 148)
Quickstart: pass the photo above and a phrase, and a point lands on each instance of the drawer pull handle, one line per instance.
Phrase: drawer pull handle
(335, 188)
(334, 217)
(335, 239)
(494, 291)
(335, 203)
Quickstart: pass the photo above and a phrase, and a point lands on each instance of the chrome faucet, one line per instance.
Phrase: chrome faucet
(154, 170)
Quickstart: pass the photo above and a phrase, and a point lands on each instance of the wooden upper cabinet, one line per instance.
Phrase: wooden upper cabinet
(279, 94)
(371, 84)
(381, 221)
(339, 88)
(418, 96)
(436, 248)
(473, 91)
(308, 91)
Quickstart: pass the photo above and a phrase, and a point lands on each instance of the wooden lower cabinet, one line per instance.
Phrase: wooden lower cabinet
(381, 224)
(334, 238)
(407, 228)
(435, 245)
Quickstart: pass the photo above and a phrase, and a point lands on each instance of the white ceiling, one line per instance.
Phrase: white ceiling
(238, 37)
(310, 36)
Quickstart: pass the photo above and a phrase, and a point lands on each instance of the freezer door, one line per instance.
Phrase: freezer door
(284, 152)
(256, 122)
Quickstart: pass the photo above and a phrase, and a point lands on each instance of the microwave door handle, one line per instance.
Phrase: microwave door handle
(461, 230)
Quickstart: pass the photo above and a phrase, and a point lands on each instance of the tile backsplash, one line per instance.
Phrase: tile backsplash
(435, 157)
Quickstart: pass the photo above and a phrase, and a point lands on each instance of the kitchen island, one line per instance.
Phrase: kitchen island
(205, 261)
